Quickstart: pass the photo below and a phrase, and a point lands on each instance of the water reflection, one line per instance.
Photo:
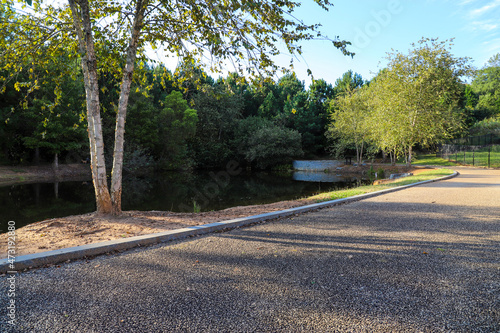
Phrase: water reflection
(319, 177)
(173, 191)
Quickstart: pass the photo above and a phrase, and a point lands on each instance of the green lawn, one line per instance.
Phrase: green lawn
(427, 175)
(478, 158)
(431, 159)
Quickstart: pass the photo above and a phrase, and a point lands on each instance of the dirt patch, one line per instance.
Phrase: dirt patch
(91, 228)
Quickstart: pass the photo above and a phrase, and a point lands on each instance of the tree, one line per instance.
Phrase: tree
(178, 124)
(486, 85)
(114, 35)
(348, 82)
(416, 98)
(350, 120)
(219, 110)
(265, 144)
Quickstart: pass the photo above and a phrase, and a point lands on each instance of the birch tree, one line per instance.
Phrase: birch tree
(115, 34)
(350, 120)
(416, 98)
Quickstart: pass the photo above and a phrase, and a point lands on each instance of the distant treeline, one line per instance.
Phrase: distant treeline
(176, 122)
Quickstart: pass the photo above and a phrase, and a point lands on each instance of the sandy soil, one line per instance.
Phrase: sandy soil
(91, 228)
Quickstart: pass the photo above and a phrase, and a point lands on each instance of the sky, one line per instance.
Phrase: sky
(374, 27)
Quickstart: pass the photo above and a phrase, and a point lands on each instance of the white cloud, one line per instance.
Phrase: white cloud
(483, 25)
(492, 46)
(480, 11)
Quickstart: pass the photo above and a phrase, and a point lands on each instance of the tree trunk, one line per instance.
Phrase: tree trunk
(116, 178)
(82, 25)
(361, 152)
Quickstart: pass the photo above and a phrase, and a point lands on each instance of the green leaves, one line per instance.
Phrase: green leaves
(412, 101)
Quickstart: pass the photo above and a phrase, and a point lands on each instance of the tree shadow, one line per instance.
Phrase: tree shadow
(331, 270)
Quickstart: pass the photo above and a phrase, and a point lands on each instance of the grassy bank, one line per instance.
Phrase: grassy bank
(426, 175)
(431, 159)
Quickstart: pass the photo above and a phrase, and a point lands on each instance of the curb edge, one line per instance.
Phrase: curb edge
(40, 259)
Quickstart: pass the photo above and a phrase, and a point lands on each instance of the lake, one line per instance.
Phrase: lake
(172, 191)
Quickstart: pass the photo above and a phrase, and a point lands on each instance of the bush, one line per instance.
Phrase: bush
(265, 144)
(486, 126)
(380, 173)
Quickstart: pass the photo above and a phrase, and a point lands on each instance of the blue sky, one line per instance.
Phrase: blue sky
(376, 26)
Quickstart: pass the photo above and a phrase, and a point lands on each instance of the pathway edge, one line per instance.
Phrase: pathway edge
(40, 259)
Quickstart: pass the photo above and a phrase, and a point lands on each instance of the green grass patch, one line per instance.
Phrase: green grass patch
(427, 175)
(478, 158)
(431, 159)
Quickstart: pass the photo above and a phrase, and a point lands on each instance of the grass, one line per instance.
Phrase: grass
(196, 207)
(431, 159)
(427, 175)
(479, 159)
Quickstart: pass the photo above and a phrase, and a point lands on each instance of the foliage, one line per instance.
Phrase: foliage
(265, 144)
(273, 145)
(45, 121)
(113, 36)
(416, 99)
(350, 121)
(486, 126)
(177, 123)
(348, 82)
(486, 85)
(218, 111)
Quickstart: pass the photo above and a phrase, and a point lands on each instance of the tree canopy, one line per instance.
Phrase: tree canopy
(416, 99)
(486, 85)
(102, 35)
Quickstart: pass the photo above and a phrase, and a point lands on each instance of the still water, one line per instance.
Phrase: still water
(173, 191)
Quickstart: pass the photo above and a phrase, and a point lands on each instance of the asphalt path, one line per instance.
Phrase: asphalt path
(424, 259)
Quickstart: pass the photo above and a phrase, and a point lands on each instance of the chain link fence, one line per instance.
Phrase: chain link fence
(483, 150)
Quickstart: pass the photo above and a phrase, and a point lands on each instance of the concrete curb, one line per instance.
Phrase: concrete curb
(79, 252)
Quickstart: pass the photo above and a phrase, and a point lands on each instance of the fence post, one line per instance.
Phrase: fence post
(464, 156)
(473, 159)
(489, 152)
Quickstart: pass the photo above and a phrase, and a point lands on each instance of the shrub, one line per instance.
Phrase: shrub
(380, 173)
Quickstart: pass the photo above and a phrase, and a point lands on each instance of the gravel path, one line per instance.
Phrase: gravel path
(425, 259)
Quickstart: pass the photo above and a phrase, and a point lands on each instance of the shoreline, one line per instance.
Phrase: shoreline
(18, 175)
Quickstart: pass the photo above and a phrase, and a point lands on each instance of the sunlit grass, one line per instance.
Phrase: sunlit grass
(478, 158)
(427, 175)
(431, 159)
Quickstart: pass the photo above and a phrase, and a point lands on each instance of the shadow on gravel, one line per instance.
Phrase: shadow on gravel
(397, 270)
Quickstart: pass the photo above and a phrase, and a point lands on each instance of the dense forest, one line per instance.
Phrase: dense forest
(175, 123)
(201, 122)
